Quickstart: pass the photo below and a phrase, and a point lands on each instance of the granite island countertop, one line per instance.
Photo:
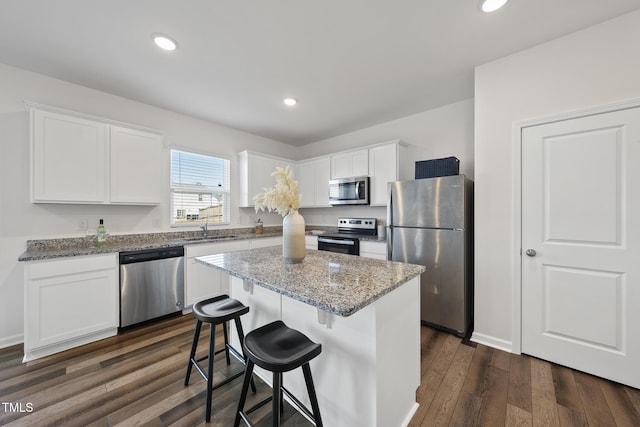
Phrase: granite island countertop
(337, 283)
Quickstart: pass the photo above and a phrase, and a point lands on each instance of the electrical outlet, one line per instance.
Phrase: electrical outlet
(83, 224)
(156, 223)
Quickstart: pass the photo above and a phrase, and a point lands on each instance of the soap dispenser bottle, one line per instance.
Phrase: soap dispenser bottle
(101, 232)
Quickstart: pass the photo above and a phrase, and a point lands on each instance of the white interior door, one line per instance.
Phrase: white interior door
(581, 216)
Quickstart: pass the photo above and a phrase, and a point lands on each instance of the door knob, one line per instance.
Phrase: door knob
(530, 252)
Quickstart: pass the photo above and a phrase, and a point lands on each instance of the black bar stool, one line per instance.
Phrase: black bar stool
(216, 311)
(278, 348)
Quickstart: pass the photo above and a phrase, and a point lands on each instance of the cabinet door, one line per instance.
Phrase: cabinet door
(341, 166)
(67, 159)
(307, 183)
(377, 250)
(201, 281)
(255, 174)
(384, 169)
(322, 175)
(311, 242)
(350, 164)
(360, 163)
(136, 167)
(265, 242)
(69, 299)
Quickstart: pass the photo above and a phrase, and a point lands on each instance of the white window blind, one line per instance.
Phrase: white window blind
(199, 189)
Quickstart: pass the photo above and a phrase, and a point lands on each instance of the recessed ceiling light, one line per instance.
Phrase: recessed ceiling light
(290, 101)
(491, 5)
(164, 42)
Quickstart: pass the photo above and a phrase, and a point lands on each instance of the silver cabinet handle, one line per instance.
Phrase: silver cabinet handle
(530, 252)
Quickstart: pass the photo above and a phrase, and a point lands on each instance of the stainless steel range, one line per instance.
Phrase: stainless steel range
(347, 239)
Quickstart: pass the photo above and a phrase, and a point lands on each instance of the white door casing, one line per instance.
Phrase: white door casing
(581, 215)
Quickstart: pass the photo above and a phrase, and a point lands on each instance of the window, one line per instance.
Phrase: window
(199, 189)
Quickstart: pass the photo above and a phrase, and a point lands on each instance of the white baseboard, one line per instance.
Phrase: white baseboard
(493, 342)
(32, 354)
(12, 340)
(410, 415)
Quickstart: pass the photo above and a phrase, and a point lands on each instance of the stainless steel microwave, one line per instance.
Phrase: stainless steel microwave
(349, 191)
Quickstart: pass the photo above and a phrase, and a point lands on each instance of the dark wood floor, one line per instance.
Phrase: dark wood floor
(136, 378)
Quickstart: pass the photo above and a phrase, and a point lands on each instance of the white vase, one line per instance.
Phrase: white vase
(293, 245)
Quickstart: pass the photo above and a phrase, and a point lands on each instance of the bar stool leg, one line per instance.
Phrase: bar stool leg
(241, 338)
(312, 394)
(277, 398)
(212, 343)
(248, 377)
(194, 346)
(226, 342)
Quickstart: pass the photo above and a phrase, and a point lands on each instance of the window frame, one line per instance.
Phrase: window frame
(173, 189)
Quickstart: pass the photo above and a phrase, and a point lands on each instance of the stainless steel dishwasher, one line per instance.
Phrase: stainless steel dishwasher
(151, 284)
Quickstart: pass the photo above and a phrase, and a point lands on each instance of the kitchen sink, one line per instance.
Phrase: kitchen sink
(207, 238)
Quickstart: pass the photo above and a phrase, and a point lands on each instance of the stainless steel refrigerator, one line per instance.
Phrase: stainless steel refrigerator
(430, 222)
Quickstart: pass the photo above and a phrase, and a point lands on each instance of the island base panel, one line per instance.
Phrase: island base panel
(369, 369)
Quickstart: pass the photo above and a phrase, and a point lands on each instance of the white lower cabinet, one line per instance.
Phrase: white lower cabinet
(377, 250)
(69, 302)
(203, 282)
(311, 242)
(265, 242)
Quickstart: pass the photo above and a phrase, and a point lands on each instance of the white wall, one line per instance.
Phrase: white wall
(596, 66)
(21, 220)
(441, 132)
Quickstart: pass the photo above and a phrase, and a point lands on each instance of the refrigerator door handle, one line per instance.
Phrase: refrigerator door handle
(389, 244)
(390, 204)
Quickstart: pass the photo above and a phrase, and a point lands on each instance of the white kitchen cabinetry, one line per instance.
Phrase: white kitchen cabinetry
(350, 164)
(264, 242)
(136, 167)
(77, 158)
(67, 158)
(69, 302)
(377, 250)
(203, 282)
(311, 242)
(313, 182)
(255, 174)
(387, 163)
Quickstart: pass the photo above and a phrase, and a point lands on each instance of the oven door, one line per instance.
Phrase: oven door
(343, 245)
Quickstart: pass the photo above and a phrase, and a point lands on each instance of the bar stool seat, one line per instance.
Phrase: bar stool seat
(216, 311)
(278, 348)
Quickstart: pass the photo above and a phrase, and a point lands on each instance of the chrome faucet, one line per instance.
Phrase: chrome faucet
(205, 229)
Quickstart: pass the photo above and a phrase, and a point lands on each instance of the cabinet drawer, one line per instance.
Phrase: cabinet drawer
(374, 247)
(63, 266)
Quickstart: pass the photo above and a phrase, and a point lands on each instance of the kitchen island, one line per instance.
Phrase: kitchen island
(364, 312)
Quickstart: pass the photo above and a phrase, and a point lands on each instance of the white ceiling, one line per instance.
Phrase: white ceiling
(350, 63)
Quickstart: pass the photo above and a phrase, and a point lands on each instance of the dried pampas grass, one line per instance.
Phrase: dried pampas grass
(283, 197)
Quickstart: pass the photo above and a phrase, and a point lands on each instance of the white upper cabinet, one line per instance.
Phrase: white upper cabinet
(77, 158)
(350, 164)
(387, 163)
(255, 174)
(383, 163)
(136, 167)
(67, 158)
(313, 182)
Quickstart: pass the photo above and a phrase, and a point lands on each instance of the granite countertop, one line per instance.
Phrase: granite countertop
(337, 283)
(79, 246)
